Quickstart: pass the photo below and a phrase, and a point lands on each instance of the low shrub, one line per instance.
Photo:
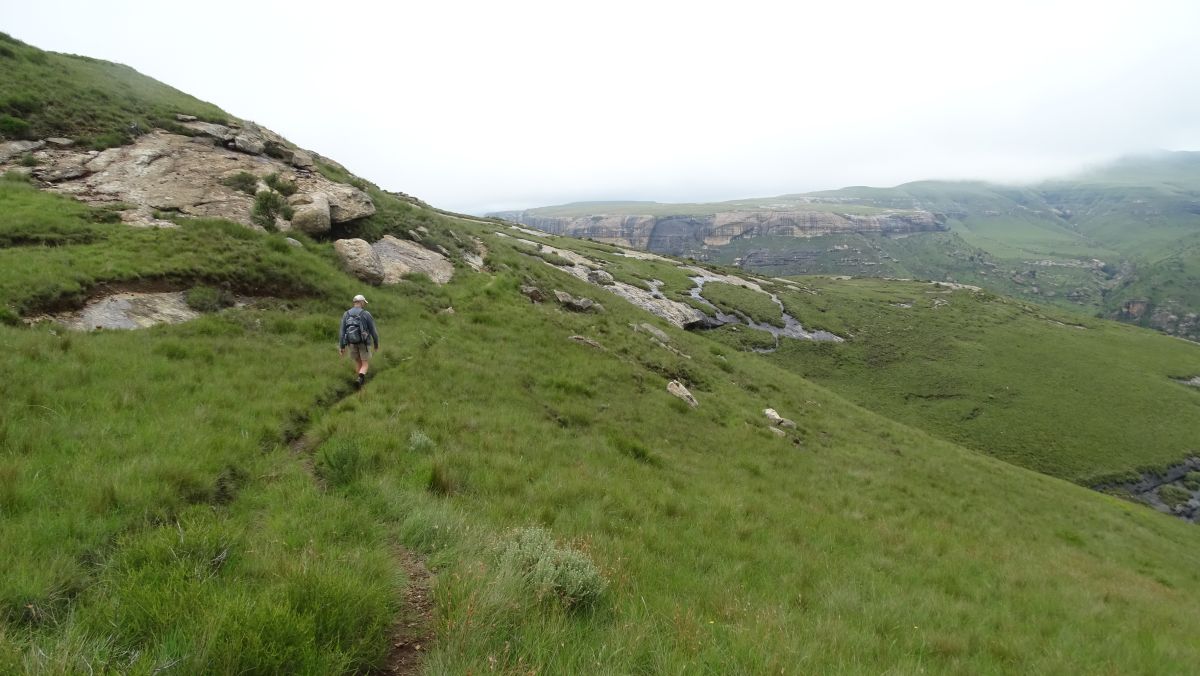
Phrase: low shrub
(280, 185)
(552, 571)
(28, 160)
(419, 442)
(1192, 481)
(208, 299)
(13, 127)
(1174, 495)
(268, 205)
(243, 181)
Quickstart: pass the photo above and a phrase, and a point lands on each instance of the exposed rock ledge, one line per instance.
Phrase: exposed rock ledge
(168, 172)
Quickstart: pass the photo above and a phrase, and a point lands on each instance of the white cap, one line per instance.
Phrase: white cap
(360, 299)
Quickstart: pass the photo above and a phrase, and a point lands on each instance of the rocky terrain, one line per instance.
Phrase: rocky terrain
(682, 234)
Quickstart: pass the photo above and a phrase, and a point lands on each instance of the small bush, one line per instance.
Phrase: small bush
(419, 442)
(281, 185)
(28, 160)
(15, 176)
(269, 204)
(1192, 481)
(208, 299)
(552, 571)
(1174, 495)
(243, 181)
(13, 127)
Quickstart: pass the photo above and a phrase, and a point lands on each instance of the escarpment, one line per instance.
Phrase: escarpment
(683, 233)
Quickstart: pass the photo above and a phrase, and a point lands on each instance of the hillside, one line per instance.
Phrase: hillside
(1120, 241)
(516, 488)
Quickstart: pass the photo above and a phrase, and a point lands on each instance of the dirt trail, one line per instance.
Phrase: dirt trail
(413, 633)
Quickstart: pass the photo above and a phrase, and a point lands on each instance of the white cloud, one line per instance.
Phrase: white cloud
(482, 105)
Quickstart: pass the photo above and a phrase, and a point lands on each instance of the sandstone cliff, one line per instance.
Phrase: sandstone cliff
(680, 234)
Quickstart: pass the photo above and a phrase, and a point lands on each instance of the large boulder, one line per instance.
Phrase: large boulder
(360, 259)
(678, 389)
(250, 140)
(312, 217)
(217, 131)
(399, 258)
(347, 203)
(301, 159)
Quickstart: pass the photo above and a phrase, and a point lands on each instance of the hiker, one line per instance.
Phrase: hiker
(358, 330)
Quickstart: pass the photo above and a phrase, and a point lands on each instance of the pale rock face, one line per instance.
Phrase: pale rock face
(172, 172)
(677, 389)
(312, 216)
(360, 259)
(399, 258)
(301, 159)
(11, 149)
(217, 131)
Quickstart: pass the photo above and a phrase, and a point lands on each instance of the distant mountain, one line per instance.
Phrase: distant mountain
(1122, 240)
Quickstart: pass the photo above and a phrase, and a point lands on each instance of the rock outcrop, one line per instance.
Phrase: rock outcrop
(168, 172)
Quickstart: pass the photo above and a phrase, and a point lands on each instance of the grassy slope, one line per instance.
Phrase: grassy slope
(153, 516)
(49, 94)
(1001, 376)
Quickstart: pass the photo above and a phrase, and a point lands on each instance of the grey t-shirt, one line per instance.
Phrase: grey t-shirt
(367, 322)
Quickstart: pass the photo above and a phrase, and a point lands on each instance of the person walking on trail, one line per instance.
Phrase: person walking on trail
(358, 331)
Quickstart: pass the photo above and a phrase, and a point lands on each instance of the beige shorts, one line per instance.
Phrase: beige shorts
(360, 351)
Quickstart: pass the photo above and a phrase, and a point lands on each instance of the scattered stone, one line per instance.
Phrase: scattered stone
(777, 420)
(442, 250)
(601, 277)
(400, 257)
(778, 432)
(658, 333)
(185, 118)
(677, 389)
(533, 293)
(586, 341)
(414, 235)
(446, 311)
(360, 259)
(312, 217)
(294, 242)
(60, 142)
(1194, 382)
(11, 149)
(65, 174)
(562, 297)
(423, 230)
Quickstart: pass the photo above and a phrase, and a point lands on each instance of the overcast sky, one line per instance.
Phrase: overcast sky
(476, 106)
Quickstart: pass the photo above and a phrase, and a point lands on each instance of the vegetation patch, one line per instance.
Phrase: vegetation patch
(754, 304)
(551, 570)
(243, 181)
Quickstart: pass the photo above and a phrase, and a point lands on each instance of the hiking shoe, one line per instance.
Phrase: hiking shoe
(362, 377)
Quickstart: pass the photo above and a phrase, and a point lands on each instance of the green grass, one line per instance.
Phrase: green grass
(47, 94)
(32, 219)
(1017, 381)
(154, 517)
